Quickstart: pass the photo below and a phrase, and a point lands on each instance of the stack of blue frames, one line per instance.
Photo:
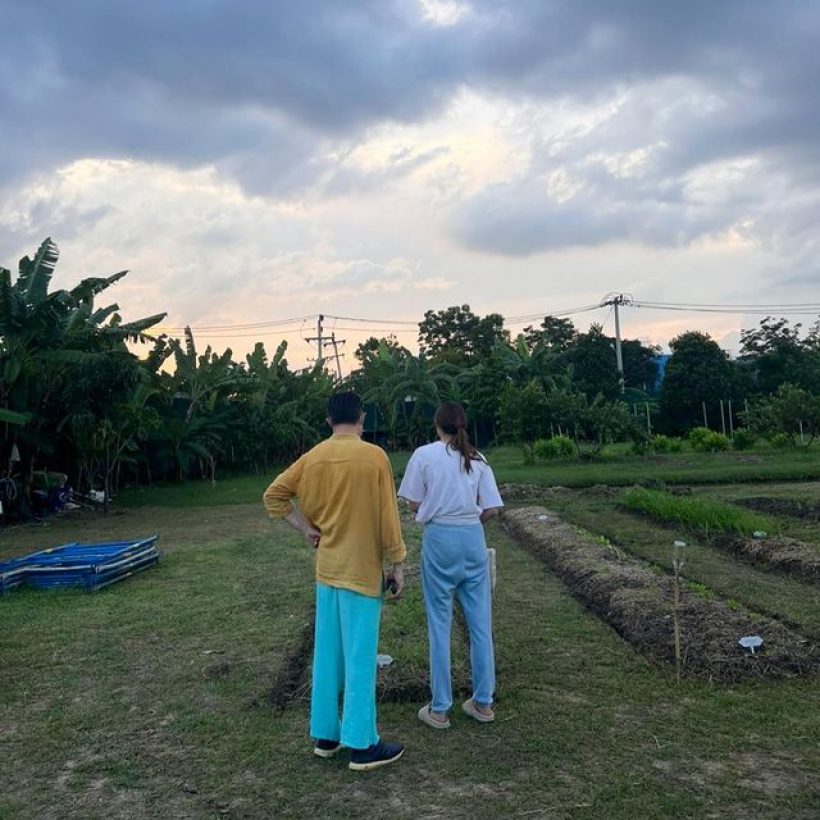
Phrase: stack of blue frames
(89, 566)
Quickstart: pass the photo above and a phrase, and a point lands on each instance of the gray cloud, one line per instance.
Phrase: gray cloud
(267, 91)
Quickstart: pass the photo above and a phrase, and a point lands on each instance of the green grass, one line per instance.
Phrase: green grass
(803, 529)
(618, 467)
(246, 489)
(702, 515)
(149, 699)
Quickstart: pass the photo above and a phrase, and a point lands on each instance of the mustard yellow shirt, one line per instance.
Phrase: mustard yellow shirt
(345, 489)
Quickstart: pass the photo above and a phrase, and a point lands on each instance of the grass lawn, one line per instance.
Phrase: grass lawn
(617, 466)
(149, 699)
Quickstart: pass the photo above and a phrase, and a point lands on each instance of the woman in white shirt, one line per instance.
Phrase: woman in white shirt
(453, 491)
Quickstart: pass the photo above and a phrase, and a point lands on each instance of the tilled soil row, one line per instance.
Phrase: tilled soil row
(638, 603)
(780, 553)
(794, 508)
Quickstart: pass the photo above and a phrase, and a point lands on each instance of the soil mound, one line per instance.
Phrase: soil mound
(638, 603)
(777, 552)
(782, 506)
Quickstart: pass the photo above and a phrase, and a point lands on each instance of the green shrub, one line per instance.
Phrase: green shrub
(665, 444)
(704, 440)
(555, 447)
(743, 439)
(781, 441)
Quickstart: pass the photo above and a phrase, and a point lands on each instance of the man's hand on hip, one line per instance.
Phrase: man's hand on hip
(299, 522)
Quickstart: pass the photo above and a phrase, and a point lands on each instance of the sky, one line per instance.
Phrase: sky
(257, 160)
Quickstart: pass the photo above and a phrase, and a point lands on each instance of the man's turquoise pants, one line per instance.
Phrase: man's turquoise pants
(344, 660)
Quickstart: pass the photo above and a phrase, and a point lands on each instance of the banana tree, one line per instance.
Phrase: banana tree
(44, 336)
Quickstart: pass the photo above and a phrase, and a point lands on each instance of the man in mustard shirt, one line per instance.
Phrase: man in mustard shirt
(348, 512)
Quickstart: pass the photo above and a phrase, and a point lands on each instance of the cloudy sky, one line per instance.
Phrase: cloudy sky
(258, 160)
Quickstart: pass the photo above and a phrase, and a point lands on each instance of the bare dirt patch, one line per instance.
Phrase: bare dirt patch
(394, 683)
(638, 604)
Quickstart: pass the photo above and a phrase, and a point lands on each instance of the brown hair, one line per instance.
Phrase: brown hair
(451, 418)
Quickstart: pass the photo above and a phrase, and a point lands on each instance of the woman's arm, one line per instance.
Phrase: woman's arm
(489, 513)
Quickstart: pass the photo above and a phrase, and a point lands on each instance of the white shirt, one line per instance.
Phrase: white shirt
(435, 479)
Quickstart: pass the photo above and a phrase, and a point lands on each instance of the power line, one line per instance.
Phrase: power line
(278, 327)
(372, 321)
(772, 305)
(226, 335)
(245, 326)
(733, 310)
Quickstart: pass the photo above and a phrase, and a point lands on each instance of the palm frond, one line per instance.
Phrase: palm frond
(7, 303)
(35, 274)
(90, 287)
(190, 347)
(10, 417)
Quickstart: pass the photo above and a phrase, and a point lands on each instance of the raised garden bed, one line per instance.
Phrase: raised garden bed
(637, 602)
(791, 507)
(776, 552)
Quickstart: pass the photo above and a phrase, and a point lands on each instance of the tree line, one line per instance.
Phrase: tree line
(76, 399)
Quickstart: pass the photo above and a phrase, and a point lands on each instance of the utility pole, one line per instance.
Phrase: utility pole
(322, 341)
(336, 342)
(616, 300)
(320, 357)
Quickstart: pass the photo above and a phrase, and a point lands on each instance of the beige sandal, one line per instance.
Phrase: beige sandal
(426, 716)
(471, 709)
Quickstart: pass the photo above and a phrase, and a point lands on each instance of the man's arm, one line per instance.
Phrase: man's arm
(391, 536)
(278, 501)
(300, 523)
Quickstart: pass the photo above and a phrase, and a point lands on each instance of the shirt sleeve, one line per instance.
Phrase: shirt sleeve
(392, 541)
(277, 498)
(488, 496)
(412, 484)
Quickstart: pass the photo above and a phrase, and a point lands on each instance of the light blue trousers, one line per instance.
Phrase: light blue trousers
(454, 561)
(346, 641)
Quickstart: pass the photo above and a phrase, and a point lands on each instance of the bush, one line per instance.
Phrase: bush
(704, 440)
(781, 441)
(555, 447)
(665, 444)
(743, 439)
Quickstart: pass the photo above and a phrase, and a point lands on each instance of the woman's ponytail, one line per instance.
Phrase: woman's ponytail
(450, 417)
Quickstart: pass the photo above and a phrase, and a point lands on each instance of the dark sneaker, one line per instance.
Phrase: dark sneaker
(326, 748)
(380, 754)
